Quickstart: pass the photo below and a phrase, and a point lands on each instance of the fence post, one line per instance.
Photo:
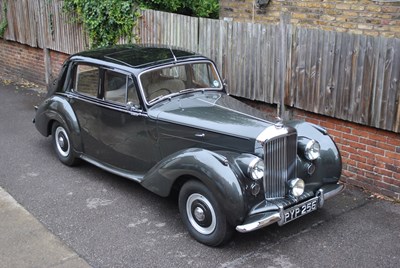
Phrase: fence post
(47, 66)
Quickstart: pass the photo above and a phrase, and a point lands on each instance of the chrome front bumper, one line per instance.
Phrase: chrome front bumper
(260, 220)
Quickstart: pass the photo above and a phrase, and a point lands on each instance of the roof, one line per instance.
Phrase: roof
(138, 56)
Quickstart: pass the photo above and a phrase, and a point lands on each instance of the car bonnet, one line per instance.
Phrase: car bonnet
(212, 111)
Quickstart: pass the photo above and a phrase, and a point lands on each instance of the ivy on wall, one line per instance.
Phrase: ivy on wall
(203, 8)
(107, 21)
(4, 22)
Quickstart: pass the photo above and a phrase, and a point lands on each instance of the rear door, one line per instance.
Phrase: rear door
(114, 128)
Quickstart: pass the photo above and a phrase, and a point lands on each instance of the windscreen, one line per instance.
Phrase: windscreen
(178, 78)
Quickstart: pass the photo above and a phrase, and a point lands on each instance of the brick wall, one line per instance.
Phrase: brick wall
(22, 61)
(371, 157)
(26, 62)
(354, 16)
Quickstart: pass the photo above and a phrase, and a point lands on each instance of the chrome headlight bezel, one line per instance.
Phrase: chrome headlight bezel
(312, 150)
(256, 169)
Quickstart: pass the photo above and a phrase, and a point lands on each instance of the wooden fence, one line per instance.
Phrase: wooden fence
(41, 23)
(342, 75)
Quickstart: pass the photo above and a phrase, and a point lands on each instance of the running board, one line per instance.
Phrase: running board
(119, 172)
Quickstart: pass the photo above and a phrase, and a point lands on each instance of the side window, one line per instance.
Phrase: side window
(115, 86)
(119, 88)
(87, 80)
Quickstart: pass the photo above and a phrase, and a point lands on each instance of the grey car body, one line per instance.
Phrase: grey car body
(161, 117)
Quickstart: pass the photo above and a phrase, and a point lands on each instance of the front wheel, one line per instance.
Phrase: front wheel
(62, 145)
(202, 215)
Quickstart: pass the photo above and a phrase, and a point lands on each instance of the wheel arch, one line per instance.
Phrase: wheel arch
(207, 167)
(58, 109)
(329, 165)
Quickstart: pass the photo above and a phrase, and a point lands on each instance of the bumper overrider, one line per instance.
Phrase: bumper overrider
(264, 216)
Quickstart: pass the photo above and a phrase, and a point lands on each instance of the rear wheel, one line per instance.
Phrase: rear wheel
(202, 215)
(62, 144)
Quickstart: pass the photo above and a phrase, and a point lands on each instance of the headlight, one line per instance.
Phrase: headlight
(296, 187)
(256, 169)
(312, 150)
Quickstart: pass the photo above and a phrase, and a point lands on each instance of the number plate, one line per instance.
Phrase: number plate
(299, 210)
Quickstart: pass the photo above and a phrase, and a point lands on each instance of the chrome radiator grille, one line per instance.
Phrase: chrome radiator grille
(280, 164)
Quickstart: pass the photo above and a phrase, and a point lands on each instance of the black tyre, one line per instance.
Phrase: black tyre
(62, 145)
(202, 215)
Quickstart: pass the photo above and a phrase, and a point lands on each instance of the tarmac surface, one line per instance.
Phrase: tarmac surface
(25, 242)
(55, 216)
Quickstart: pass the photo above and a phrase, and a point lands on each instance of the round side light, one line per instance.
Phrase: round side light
(296, 187)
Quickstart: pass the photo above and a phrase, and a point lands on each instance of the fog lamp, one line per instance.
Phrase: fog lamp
(296, 187)
(256, 169)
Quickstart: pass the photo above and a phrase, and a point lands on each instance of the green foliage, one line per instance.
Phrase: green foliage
(106, 21)
(200, 8)
(4, 22)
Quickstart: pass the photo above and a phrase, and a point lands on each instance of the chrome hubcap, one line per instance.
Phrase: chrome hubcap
(199, 214)
(62, 141)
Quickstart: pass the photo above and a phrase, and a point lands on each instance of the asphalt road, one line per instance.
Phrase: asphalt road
(112, 222)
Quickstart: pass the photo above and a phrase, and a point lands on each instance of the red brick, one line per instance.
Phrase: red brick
(392, 155)
(359, 146)
(373, 175)
(364, 166)
(360, 133)
(368, 141)
(350, 149)
(383, 172)
(376, 150)
(393, 168)
(359, 158)
(351, 137)
(383, 159)
(391, 181)
(384, 145)
(377, 137)
(371, 161)
(327, 124)
(343, 129)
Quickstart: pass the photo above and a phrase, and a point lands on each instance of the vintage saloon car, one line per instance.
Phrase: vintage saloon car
(161, 117)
